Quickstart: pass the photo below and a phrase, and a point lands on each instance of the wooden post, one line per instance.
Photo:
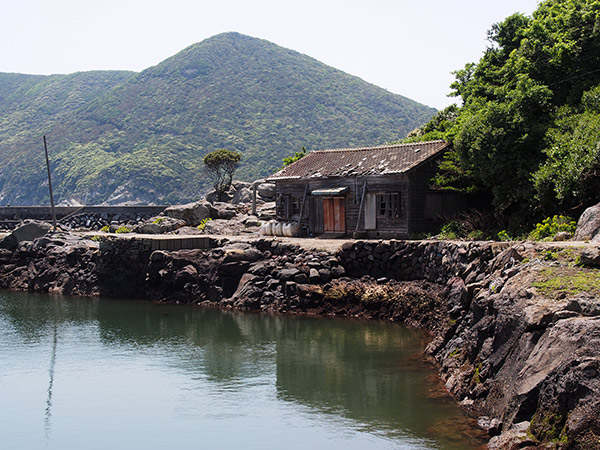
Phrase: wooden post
(50, 184)
(362, 199)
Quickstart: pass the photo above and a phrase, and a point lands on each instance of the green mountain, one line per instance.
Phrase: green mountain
(118, 137)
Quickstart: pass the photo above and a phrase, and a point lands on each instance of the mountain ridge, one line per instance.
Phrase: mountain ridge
(120, 136)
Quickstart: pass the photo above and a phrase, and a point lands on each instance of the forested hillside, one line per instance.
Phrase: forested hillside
(528, 130)
(140, 137)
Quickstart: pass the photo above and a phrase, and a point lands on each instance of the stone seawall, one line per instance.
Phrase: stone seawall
(515, 350)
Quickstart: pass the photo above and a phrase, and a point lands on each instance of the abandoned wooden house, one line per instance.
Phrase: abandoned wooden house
(367, 192)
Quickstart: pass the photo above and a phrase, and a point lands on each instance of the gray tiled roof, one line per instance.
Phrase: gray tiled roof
(385, 159)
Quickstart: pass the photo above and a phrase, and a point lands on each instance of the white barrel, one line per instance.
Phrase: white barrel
(263, 229)
(293, 229)
(269, 228)
(277, 229)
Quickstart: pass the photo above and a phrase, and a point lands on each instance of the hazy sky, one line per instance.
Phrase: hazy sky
(408, 48)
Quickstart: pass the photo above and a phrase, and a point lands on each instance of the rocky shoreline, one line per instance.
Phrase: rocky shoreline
(517, 343)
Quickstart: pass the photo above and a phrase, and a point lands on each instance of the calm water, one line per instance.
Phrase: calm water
(106, 374)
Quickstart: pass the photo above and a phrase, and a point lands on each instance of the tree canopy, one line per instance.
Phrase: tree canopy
(527, 130)
(220, 166)
(295, 157)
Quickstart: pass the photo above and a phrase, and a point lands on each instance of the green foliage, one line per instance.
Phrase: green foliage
(550, 255)
(158, 220)
(454, 353)
(476, 375)
(548, 426)
(452, 230)
(96, 238)
(571, 173)
(558, 282)
(147, 133)
(123, 229)
(203, 223)
(220, 166)
(476, 235)
(528, 129)
(550, 226)
(504, 236)
(292, 159)
(452, 176)
(105, 229)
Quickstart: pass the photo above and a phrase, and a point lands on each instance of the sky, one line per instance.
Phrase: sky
(408, 48)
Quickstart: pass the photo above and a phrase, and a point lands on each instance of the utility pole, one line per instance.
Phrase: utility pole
(50, 184)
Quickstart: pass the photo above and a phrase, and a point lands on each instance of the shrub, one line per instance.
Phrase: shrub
(105, 229)
(158, 220)
(476, 235)
(452, 230)
(203, 223)
(504, 236)
(123, 229)
(552, 225)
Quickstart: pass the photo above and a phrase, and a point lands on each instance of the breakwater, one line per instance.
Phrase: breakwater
(517, 354)
(91, 216)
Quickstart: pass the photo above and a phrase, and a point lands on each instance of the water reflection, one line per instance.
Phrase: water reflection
(48, 415)
(370, 374)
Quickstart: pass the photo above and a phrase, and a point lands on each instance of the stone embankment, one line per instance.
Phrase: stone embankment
(516, 328)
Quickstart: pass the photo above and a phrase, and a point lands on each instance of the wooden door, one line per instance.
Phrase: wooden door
(334, 215)
(315, 215)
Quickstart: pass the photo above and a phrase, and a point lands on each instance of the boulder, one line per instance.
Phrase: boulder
(266, 191)
(190, 213)
(224, 227)
(28, 231)
(212, 197)
(159, 225)
(244, 195)
(588, 226)
(223, 211)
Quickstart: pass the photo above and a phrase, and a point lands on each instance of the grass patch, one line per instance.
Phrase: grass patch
(567, 281)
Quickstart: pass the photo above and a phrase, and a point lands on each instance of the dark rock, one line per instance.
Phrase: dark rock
(185, 275)
(337, 272)
(301, 278)
(314, 276)
(325, 275)
(590, 256)
(9, 242)
(234, 268)
(290, 288)
(288, 274)
(492, 426)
